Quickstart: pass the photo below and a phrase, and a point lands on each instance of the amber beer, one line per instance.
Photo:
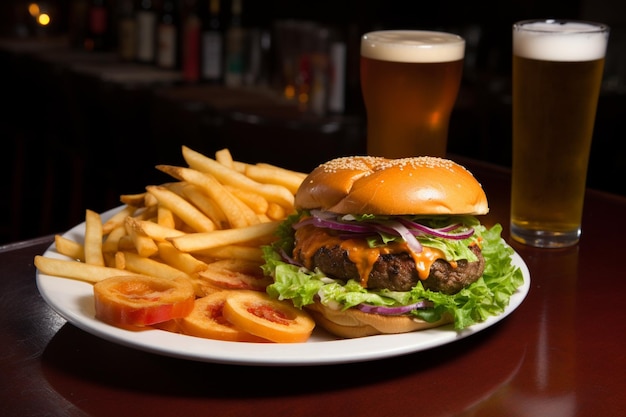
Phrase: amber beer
(410, 81)
(557, 73)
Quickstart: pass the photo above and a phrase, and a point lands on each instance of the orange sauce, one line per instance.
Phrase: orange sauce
(364, 257)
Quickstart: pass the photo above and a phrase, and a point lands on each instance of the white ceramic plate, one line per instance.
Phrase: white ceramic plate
(73, 300)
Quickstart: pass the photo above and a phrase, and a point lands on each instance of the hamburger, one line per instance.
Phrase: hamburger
(381, 245)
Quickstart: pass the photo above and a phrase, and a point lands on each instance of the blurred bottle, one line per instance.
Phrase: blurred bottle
(168, 37)
(98, 26)
(235, 47)
(191, 31)
(212, 42)
(307, 33)
(146, 18)
(126, 30)
(337, 73)
(287, 49)
(258, 55)
(319, 71)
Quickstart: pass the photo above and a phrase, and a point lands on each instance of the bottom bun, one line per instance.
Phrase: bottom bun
(353, 323)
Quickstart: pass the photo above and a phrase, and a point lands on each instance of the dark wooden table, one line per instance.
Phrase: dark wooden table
(561, 353)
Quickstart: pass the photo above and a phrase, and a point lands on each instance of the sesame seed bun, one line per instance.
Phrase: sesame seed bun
(390, 187)
(381, 186)
(353, 323)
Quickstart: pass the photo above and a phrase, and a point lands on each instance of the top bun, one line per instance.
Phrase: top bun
(376, 185)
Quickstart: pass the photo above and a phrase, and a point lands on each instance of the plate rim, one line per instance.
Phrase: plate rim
(321, 349)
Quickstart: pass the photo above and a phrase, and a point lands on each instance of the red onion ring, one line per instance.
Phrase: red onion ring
(395, 310)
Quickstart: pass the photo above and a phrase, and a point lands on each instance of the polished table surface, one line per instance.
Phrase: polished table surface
(561, 353)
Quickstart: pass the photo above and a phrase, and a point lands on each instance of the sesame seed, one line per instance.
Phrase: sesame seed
(371, 164)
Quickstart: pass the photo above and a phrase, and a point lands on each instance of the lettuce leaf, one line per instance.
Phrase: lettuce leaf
(488, 296)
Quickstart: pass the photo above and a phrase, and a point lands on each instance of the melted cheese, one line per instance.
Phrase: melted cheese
(310, 239)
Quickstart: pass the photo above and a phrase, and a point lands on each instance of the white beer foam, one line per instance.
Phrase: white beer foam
(412, 46)
(553, 41)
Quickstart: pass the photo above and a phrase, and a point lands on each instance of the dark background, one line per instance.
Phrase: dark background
(71, 143)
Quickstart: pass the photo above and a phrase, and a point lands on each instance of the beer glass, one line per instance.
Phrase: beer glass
(557, 73)
(410, 80)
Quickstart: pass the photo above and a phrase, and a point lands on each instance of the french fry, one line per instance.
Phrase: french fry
(261, 240)
(255, 201)
(272, 192)
(240, 166)
(207, 205)
(125, 243)
(182, 208)
(69, 248)
(150, 200)
(152, 230)
(111, 242)
(109, 259)
(250, 253)
(180, 260)
(207, 227)
(144, 244)
(117, 219)
(165, 217)
(150, 212)
(237, 213)
(301, 175)
(267, 173)
(120, 260)
(134, 200)
(136, 263)
(276, 212)
(176, 187)
(200, 241)
(263, 218)
(93, 238)
(224, 157)
(76, 270)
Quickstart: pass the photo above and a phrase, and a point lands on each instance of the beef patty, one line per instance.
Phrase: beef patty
(397, 272)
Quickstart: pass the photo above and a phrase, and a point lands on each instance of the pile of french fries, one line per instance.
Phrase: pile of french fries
(207, 226)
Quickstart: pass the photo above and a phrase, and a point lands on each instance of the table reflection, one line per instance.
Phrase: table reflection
(546, 384)
(78, 365)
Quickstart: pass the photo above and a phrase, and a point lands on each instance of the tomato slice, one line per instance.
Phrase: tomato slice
(259, 314)
(206, 320)
(235, 274)
(142, 300)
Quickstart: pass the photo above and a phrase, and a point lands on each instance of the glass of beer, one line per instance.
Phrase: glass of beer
(557, 74)
(410, 80)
